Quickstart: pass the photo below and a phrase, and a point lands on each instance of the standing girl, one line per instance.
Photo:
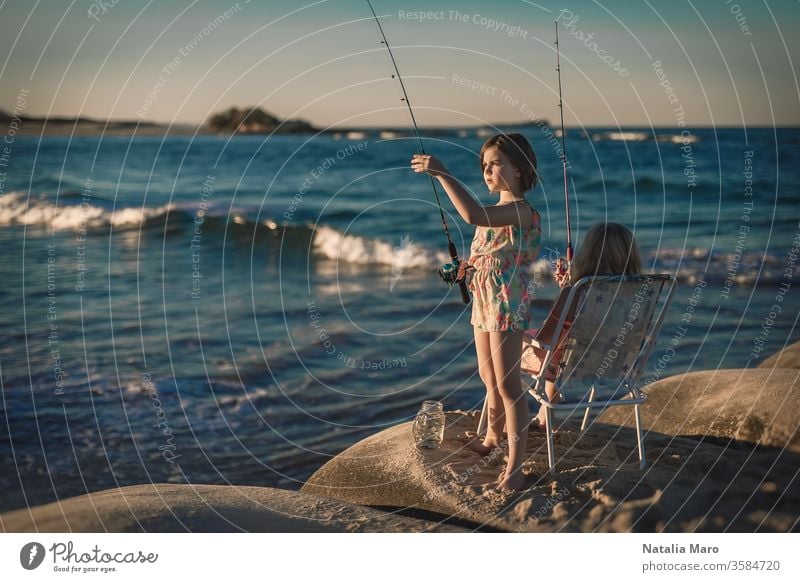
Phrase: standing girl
(506, 243)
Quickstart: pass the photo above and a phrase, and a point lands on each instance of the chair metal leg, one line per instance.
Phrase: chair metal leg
(551, 455)
(483, 421)
(592, 394)
(639, 435)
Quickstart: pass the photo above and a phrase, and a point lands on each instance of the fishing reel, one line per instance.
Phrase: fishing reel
(455, 273)
(562, 274)
(561, 269)
(449, 273)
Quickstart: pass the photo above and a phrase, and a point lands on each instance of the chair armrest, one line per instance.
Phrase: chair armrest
(538, 344)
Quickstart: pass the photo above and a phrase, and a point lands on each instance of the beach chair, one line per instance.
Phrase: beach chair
(616, 322)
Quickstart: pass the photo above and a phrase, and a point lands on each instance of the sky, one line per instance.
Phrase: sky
(624, 62)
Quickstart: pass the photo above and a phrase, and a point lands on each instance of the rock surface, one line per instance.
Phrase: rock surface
(741, 478)
(759, 406)
(207, 508)
(788, 357)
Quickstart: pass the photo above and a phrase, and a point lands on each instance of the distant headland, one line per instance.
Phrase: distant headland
(232, 121)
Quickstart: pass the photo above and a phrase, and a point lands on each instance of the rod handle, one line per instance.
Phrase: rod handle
(462, 284)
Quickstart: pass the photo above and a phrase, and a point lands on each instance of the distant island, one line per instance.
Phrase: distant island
(249, 120)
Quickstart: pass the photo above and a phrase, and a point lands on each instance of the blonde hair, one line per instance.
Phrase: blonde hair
(608, 249)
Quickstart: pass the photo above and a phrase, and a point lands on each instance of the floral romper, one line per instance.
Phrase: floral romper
(501, 256)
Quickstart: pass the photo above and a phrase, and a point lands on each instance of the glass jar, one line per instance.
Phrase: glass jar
(428, 426)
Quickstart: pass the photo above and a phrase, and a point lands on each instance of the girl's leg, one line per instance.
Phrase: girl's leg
(552, 396)
(494, 402)
(534, 357)
(506, 349)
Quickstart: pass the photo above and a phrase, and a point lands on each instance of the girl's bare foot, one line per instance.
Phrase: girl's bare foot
(539, 426)
(512, 483)
(484, 448)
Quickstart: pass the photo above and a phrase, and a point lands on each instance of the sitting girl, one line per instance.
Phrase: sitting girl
(608, 249)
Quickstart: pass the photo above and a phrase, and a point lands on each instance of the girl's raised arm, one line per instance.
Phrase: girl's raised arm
(469, 209)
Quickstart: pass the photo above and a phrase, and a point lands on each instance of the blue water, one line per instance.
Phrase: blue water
(216, 310)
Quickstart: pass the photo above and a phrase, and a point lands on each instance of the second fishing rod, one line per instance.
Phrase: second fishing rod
(560, 268)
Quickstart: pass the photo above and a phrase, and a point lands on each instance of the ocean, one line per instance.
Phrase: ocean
(239, 310)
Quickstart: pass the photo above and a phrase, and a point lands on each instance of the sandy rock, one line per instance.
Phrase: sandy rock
(688, 485)
(207, 508)
(386, 470)
(758, 406)
(788, 357)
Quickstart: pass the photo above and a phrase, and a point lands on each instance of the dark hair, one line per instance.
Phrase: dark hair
(521, 154)
(607, 249)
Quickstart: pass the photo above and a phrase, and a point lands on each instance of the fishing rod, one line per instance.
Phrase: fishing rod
(450, 272)
(559, 265)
